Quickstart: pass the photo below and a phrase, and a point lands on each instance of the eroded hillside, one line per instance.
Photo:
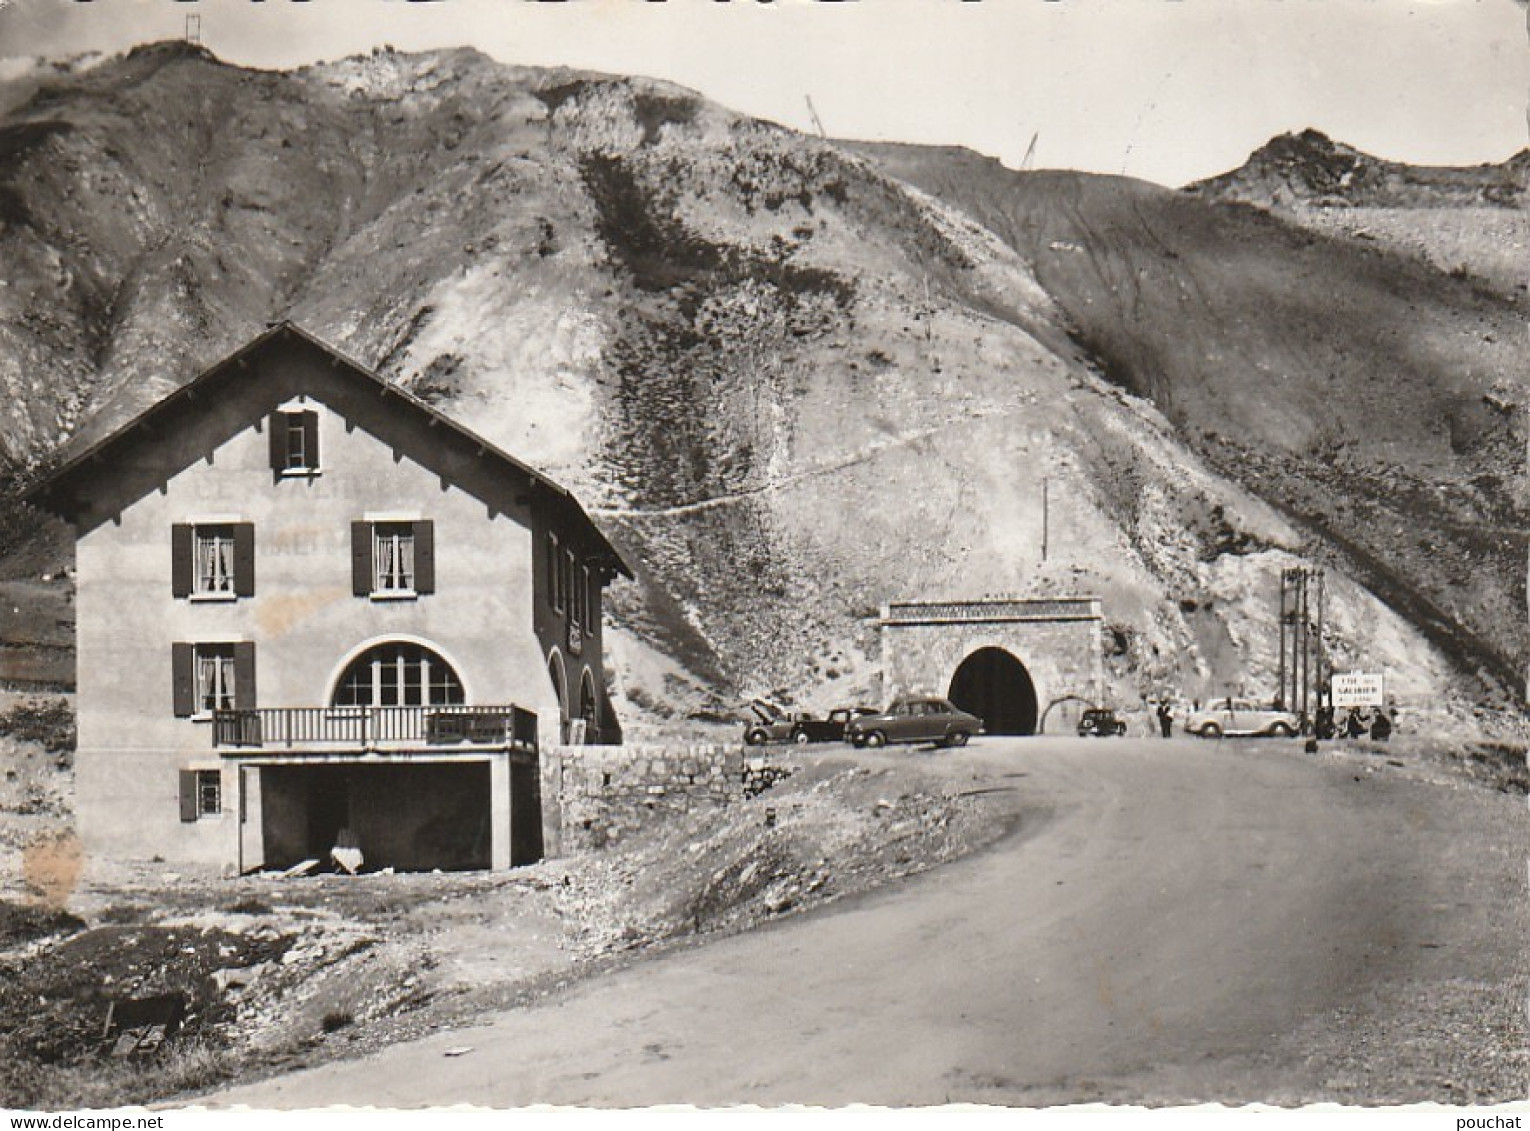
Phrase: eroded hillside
(791, 383)
(1374, 399)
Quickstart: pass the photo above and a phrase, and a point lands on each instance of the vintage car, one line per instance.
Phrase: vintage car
(771, 723)
(1241, 717)
(828, 729)
(1101, 722)
(914, 719)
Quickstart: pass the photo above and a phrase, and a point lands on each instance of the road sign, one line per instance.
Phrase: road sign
(1359, 689)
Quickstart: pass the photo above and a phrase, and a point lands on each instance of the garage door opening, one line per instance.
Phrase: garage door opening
(410, 818)
(995, 686)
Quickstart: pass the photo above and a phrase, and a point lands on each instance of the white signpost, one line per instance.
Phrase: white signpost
(1359, 689)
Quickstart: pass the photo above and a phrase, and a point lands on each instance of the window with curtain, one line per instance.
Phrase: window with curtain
(214, 559)
(399, 675)
(393, 557)
(215, 677)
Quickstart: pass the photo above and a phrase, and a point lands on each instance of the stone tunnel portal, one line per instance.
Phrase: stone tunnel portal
(969, 650)
(995, 686)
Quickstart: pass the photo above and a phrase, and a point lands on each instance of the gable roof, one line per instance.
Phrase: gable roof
(58, 492)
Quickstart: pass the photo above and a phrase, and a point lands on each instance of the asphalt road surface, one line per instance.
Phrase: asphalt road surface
(1163, 915)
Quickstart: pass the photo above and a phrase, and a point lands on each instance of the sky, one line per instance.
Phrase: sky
(1165, 90)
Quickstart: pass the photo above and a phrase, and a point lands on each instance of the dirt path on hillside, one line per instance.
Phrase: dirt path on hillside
(1174, 921)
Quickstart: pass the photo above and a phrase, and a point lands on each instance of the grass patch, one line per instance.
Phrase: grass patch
(249, 905)
(47, 722)
(24, 922)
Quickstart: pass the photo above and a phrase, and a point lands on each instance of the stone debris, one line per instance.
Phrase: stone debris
(760, 775)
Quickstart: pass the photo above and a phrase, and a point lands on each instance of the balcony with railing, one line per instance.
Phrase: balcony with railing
(375, 728)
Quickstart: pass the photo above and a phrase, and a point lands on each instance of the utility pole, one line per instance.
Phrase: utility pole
(1302, 665)
(1045, 515)
(1306, 653)
(813, 112)
(1324, 692)
(1029, 160)
(1285, 636)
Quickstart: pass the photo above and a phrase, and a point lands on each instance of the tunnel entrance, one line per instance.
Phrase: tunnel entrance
(995, 686)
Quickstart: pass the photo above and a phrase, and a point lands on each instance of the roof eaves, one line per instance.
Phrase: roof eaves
(93, 453)
(38, 493)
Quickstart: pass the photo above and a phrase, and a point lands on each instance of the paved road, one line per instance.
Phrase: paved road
(1165, 911)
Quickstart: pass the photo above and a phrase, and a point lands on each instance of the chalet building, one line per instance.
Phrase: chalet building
(314, 612)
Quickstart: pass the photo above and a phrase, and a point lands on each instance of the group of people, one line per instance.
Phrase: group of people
(1357, 723)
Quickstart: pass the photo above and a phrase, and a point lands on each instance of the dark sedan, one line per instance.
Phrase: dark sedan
(915, 720)
(830, 729)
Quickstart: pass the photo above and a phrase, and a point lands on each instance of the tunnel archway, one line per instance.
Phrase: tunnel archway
(994, 685)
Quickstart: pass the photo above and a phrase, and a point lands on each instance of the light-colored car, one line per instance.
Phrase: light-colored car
(1241, 717)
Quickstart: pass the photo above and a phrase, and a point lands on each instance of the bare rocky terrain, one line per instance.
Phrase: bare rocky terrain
(280, 973)
(795, 378)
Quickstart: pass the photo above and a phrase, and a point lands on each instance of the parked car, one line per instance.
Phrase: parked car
(828, 729)
(1101, 722)
(914, 720)
(1241, 717)
(772, 723)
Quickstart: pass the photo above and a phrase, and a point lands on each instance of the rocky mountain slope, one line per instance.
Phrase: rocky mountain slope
(1372, 398)
(797, 379)
(1473, 223)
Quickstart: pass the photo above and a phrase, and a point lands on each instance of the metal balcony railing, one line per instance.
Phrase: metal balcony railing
(374, 727)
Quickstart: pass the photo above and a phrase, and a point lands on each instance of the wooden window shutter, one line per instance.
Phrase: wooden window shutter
(425, 556)
(244, 559)
(311, 438)
(183, 677)
(182, 559)
(276, 427)
(361, 558)
(244, 676)
(188, 795)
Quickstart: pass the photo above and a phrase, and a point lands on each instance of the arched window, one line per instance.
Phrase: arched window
(555, 673)
(587, 707)
(399, 675)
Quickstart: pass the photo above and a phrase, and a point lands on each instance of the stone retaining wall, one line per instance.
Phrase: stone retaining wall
(594, 795)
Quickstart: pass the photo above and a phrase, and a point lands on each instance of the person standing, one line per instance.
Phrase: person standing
(1354, 725)
(1324, 726)
(1381, 726)
(1165, 719)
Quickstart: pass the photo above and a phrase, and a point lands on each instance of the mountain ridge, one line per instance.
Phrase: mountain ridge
(1309, 167)
(794, 378)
